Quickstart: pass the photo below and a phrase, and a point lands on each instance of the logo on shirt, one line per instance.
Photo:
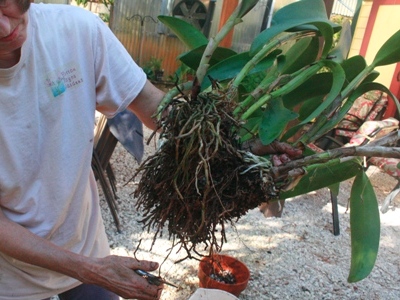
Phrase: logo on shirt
(65, 77)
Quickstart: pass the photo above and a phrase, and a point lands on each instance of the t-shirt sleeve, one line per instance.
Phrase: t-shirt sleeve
(118, 78)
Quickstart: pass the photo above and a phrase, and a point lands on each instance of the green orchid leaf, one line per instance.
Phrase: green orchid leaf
(359, 91)
(293, 15)
(339, 77)
(246, 6)
(302, 53)
(340, 52)
(389, 53)
(193, 57)
(345, 107)
(318, 85)
(380, 87)
(307, 27)
(326, 30)
(371, 76)
(230, 67)
(364, 227)
(309, 106)
(299, 11)
(323, 175)
(187, 33)
(353, 66)
(274, 121)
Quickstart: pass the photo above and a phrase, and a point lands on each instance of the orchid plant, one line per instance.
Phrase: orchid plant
(292, 74)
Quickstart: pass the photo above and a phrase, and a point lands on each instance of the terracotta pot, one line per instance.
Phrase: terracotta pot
(236, 268)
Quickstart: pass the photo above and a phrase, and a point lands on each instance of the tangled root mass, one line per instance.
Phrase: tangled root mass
(198, 180)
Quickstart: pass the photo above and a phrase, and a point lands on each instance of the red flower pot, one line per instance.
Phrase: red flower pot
(211, 265)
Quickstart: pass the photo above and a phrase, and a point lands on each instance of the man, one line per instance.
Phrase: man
(58, 64)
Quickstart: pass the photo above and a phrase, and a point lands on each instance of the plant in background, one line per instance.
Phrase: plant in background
(153, 69)
(107, 3)
(202, 179)
(183, 73)
(105, 17)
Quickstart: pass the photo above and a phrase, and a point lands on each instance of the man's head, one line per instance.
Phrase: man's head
(23, 5)
(13, 29)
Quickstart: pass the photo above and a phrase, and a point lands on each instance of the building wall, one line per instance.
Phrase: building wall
(382, 21)
(387, 22)
(361, 27)
(136, 26)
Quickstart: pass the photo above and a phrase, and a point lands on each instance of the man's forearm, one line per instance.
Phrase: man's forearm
(114, 273)
(21, 244)
(146, 103)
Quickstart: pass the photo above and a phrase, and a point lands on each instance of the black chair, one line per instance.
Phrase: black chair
(127, 129)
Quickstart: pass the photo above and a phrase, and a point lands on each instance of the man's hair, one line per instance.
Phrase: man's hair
(23, 5)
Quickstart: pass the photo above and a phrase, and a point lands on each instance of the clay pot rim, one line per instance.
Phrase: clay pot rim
(205, 259)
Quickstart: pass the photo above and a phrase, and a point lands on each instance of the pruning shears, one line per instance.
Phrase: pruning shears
(153, 279)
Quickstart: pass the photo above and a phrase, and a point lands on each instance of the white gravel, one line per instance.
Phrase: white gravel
(293, 257)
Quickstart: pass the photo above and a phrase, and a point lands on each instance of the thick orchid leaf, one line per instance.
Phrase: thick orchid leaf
(293, 15)
(326, 30)
(187, 33)
(308, 91)
(309, 106)
(300, 11)
(362, 89)
(323, 175)
(340, 52)
(364, 228)
(339, 77)
(353, 66)
(193, 57)
(375, 86)
(301, 54)
(230, 67)
(246, 6)
(371, 76)
(389, 53)
(336, 27)
(274, 121)
(359, 91)
(318, 85)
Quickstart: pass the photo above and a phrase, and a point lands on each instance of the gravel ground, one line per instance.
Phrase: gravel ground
(293, 257)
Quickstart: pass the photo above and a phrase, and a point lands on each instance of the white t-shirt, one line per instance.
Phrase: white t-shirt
(71, 64)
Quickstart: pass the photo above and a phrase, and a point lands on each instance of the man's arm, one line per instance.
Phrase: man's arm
(112, 272)
(146, 103)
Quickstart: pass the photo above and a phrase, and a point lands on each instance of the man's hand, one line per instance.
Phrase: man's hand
(116, 274)
(283, 152)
